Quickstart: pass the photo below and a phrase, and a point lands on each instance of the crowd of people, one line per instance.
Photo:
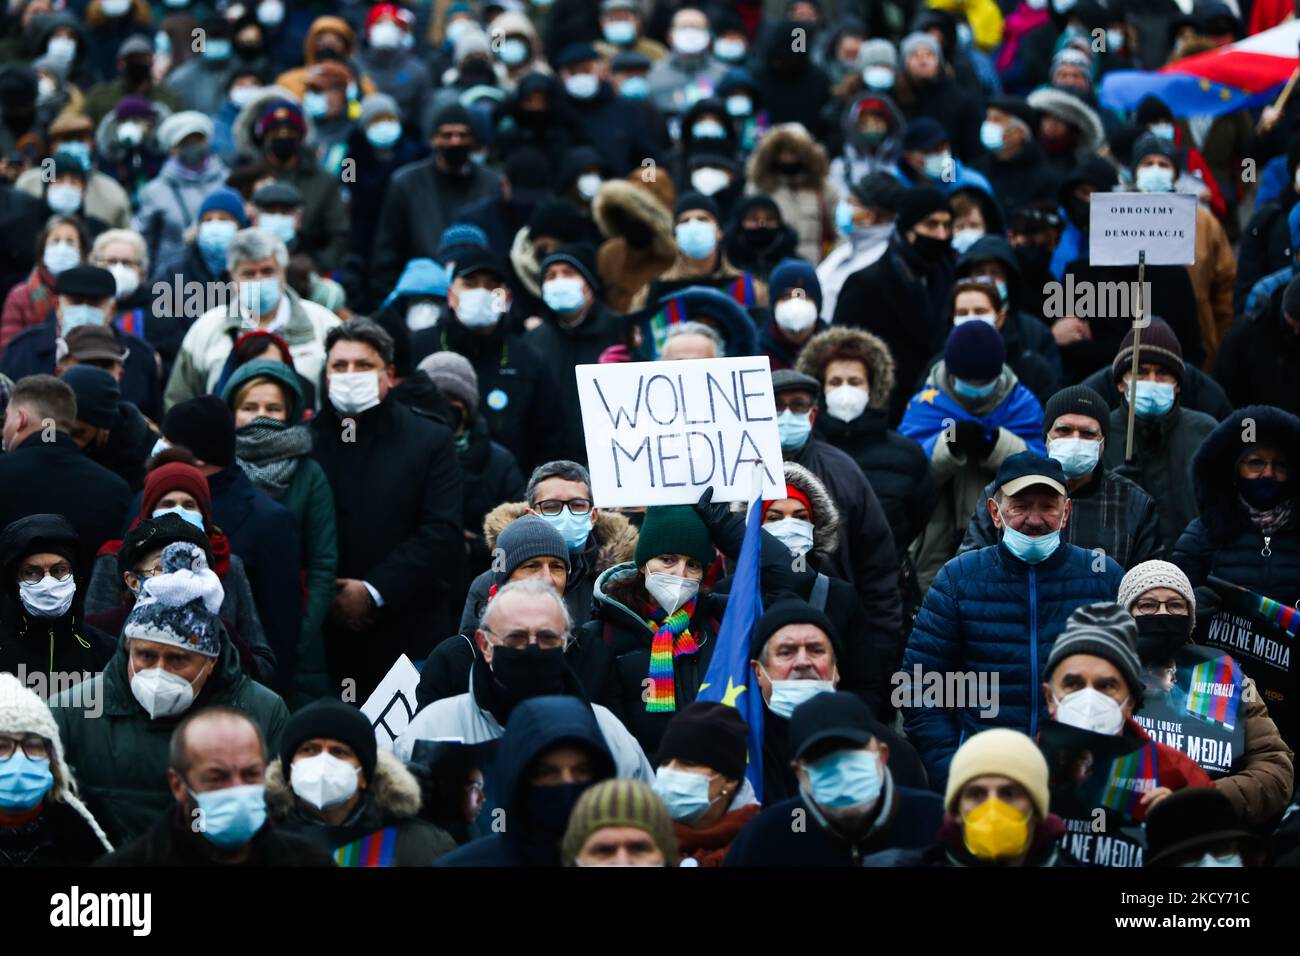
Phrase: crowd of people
(293, 299)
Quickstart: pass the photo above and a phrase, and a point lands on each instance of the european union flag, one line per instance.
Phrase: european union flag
(730, 679)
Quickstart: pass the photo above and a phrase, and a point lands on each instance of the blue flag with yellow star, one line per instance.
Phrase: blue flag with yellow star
(729, 679)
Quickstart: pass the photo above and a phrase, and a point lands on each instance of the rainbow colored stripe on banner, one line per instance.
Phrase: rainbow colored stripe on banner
(1283, 615)
(374, 850)
(1123, 790)
(1218, 708)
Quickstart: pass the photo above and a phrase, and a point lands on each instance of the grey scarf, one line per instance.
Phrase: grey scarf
(1271, 520)
(268, 450)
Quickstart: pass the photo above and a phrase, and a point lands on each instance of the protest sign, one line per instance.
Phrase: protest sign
(1159, 227)
(659, 433)
(1193, 703)
(1262, 650)
(391, 707)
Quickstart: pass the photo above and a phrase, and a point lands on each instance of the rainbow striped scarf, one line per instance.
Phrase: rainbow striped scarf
(671, 639)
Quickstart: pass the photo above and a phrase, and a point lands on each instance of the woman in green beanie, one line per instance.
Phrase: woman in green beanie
(658, 619)
(275, 450)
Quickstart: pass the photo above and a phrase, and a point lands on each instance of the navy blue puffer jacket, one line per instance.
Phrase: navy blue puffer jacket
(989, 612)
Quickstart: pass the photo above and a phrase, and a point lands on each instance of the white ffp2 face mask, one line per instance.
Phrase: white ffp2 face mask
(846, 402)
(161, 693)
(352, 393)
(1090, 709)
(795, 315)
(324, 780)
(670, 591)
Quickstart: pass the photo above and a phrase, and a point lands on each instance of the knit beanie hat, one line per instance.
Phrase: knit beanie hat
(454, 376)
(185, 123)
(1075, 400)
(376, 105)
(707, 733)
(176, 476)
(619, 803)
(974, 352)
(1005, 753)
(673, 529)
(180, 606)
(791, 611)
(917, 203)
(1155, 574)
(458, 239)
(1149, 144)
(1103, 630)
(1159, 345)
(23, 712)
(228, 201)
(525, 538)
(919, 39)
(205, 426)
(689, 201)
(877, 52)
(334, 720)
(97, 392)
(794, 273)
(579, 255)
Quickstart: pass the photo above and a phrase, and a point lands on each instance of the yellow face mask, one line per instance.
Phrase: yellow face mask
(995, 830)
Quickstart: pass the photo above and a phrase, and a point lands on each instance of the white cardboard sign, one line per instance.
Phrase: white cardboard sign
(659, 433)
(1163, 225)
(391, 707)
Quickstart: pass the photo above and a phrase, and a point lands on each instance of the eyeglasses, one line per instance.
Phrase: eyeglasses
(800, 406)
(60, 572)
(519, 640)
(149, 572)
(38, 748)
(1152, 606)
(108, 263)
(553, 506)
(1254, 466)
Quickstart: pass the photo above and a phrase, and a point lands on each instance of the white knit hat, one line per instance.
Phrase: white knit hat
(23, 712)
(1155, 574)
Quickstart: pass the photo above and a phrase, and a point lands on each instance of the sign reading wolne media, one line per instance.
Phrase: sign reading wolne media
(1161, 225)
(659, 433)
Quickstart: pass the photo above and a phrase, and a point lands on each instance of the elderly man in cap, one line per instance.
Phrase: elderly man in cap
(85, 301)
(104, 198)
(865, 217)
(619, 823)
(109, 430)
(866, 557)
(689, 73)
(1108, 512)
(277, 210)
(848, 805)
(169, 203)
(425, 197)
(621, 27)
(1198, 828)
(996, 809)
(515, 386)
(992, 614)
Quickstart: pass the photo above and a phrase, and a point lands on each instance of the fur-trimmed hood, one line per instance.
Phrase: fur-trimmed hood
(394, 789)
(1074, 111)
(241, 130)
(1214, 464)
(826, 516)
(524, 259)
(615, 535)
(762, 164)
(840, 342)
(619, 203)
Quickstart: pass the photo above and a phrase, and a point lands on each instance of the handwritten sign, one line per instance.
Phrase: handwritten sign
(391, 707)
(1161, 225)
(659, 433)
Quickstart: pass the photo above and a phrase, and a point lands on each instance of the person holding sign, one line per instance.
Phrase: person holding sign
(1200, 702)
(1248, 534)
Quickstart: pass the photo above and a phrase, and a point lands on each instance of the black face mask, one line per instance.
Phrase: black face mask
(1263, 493)
(284, 148)
(477, 73)
(932, 249)
(329, 54)
(760, 238)
(1034, 258)
(531, 118)
(136, 72)
(548, 808)
(455, 156)
(1079, 211)
(248, 51)
(789, 169)
(1160, 636)
(528, 673)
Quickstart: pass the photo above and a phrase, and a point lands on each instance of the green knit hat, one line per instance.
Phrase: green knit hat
(619, 803)
(673, 529)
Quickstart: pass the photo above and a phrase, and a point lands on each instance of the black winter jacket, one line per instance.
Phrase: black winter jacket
(1258, 362)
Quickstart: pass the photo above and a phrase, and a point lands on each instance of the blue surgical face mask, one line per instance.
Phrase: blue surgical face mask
(280, 225)
(992, 135)
(620, 32)
(1162, 130)
(844, 217)
(214, 240)
(635, 88)
(315, 104)
(1153, 399)
(79, 151)
(231, 816)
(937, 163)
(575, 529)
(696, 238)
(193, 517)
(878, 77)
(1027, 548)
(259, 296)
(384, 133)
(708, 129)
(514, 51)
(845, 779)
(1078, 456)
(563, 294)
(1154, 179)
(24, 781)
(217, 50)
(685, 794)
(739, 105)
(74, 316)
(971, 390)
(794, 429)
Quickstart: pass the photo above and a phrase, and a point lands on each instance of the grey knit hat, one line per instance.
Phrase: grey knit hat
(454, 376)
(527, 537)
(1155, 574)
(1103, 630)
(877, 52)
(919, 39)
(180, 606)
(378, 104)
